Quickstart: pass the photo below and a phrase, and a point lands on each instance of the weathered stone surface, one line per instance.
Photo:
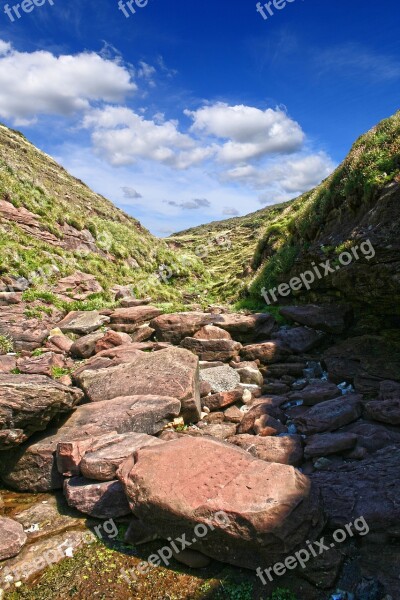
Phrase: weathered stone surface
(210, 332)
(268, 509)
(329, 318)
(7, 363)
(299, 339)
(316, 391)
(40, 365)
(233, 414)
(210, 350)
(220, 431)
(373, 436)
(78, 286)
(268, 352)
(175, 327)
(221, 379)
(142, 333)
(26, 333)
(111, 339)
(102, 463)
(367, 489)
(12, 538)
(264, 406)
(10, 298)
(59, 343)
(389, 390)
(329, 443)
(136, 315)
(82, 322)
(32, 467)
(252, 376)
(222, 399)
(28, 403)
(102, 500)
(330, 415)
(247, 328)
(266, 425)
(85, 346)
(386, 411)
(171, 372)
(286, 450)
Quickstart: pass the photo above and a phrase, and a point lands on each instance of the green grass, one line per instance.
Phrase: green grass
(6, 344)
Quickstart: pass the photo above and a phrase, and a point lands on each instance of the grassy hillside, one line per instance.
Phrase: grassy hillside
(52, 224)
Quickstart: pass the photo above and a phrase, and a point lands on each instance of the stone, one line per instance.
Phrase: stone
(233, 414)
(192, 559)
(259, 511)
(205, 389)
(222, 399)
(170, 372)
(366, 490)
(266, 353)
(59, 343)
(102, 463)
(33, 466)
(142, 333)
(389, 390)
(276, 388)
(10, 298)
(266, 425)
(221, 379)
(329, 318)
(175, 327)
(139, 533)
(330, 415)
(85, 346)
(247, 328)
(223, 350)
(263, 406)
(329, 443)
(78, 286)
(111, 339)
(40, 365)
(373, 436)
(8, 363)
(12, 538)
(251, 376)
(316, 391)
(28, 403)
(286, 450)
(385, 411)
(299, 339)
(82, 322)
(136, 315)
(102, 500)
(210, 332)
(220, 431)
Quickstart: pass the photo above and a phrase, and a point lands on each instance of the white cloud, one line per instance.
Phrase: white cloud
(251, 132)
(230, 211)
(130, 192)
(41, 83)
(190, 204)
(122, 137)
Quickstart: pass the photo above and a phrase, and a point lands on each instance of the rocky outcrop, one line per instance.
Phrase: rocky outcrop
(330, 415)
(329, 318)
(210, 350)
(175, 327)
(102, 500)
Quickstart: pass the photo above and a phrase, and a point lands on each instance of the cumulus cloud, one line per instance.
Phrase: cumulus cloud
(130, 192)
(250, 132)
(123, 136)
(230, 211)
(33, 83)
(191, 204)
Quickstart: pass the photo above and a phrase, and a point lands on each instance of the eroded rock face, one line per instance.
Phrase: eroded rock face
(33, 467)
(28, 403)
(12, 538)
(211, 350)
(330, 415)
(329, 318)
(171, 372)
(78, 286)
(221, 379)
(268, 509)
(286, 450)
(367, 489)
(175, 327)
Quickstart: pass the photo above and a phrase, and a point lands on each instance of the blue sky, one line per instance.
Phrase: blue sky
(186, 111)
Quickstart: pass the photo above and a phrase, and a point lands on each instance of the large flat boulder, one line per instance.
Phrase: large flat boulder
(247, 328)
(212, 350)
(133, 316)
(331, 318)
(386, 411)
(82, 322)
(221, 379)
(330, 415)
(299, 339)
(28, 403)
(316, 391)
(102, 500)
(266, 353)
(364, 489)
(329, 443)
(253, 512)
(175, 327)
(171, 372)
(33, 466)
(287, 450)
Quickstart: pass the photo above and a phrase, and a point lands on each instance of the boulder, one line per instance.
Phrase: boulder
(253, 512)
(249, 375)
(171, 372)
(102, 500)
(385, 411)
(175, 327)
(59, 343)
(266, 353)
(299, 339)
(366, 490)
(329, 443)
(264, 406)
(233, 414)
(210, 332)
(330, 415)
(142, 333)
(333, 318)
(8, 363)
(134, 316)
(28, 403)
(221, 379)
(373, 436)
(222, 399)
(389, 390)
(247, 328)
(33, 467)
(210, 350)
(316, 391)
(78, 286)
(112, 339)
(82, 322)
(12, 538)
(85, 346)
(286, 450)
